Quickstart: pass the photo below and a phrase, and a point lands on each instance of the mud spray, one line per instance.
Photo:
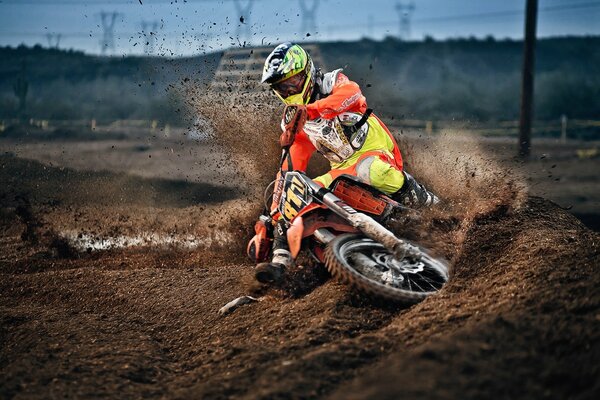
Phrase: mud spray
(244, 126)
(453, 165)
(469, 181)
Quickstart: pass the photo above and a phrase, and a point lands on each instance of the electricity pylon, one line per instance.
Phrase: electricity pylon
(243, 12)
(108, 25)
(309, 14)
(53, 40)
(404, 13)
(149, 29)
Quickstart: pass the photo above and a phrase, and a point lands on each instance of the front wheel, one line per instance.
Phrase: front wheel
(369, 267)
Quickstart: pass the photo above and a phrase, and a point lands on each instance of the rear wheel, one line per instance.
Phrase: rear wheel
(370, 267)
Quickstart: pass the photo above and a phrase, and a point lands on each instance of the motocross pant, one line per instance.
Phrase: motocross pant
(376, 168)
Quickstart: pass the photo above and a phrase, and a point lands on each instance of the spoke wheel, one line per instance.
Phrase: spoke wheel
(370, 267)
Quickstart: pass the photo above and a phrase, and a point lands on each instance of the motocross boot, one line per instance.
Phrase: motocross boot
(273, 272)
(413, 194)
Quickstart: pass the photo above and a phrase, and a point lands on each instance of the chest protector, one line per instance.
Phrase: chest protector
(335, 138)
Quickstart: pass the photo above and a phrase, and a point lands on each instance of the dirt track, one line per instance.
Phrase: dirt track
(520, 317)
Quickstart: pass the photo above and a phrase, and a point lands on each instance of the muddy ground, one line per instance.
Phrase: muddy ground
(519, 318)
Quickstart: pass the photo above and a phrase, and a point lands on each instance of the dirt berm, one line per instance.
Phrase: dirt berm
(519, 318)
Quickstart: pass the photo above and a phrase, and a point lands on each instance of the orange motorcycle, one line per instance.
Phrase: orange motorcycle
(341, 226)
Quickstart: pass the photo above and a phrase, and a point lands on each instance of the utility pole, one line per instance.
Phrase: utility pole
(309, 14)
(563, 128)
(244, 20)
(404, 13)
(527, 82)
(20, 88)
(53, 40)
(149, 29)
(108, 37)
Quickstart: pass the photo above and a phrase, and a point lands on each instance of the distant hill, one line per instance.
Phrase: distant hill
(472, 79)
(463, 79)
(73, 85)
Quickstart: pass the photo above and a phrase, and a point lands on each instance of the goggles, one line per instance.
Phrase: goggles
(290, 86)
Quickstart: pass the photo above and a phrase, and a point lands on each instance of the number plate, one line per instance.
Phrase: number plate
(296, 195)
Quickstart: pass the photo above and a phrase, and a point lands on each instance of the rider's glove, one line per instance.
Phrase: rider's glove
(294, 118)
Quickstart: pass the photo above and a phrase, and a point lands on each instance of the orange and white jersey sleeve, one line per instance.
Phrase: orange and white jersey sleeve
(343, 95)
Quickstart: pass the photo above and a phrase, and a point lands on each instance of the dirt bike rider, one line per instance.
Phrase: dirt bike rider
(363, 147)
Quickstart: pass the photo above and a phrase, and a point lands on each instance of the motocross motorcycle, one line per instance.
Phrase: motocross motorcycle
(342, 227)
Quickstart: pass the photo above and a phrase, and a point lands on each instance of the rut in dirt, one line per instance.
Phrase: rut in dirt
(522, 303)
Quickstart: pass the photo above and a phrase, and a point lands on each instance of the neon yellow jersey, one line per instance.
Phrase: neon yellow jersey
(378, 139)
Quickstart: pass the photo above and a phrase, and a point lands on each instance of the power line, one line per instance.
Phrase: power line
(182, 2)
(493, 14)
(70, 34)
(68, 2)
(509, 12)
(340, 27)
(111, 2)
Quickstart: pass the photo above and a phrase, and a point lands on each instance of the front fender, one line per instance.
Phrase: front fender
(295, 232)
(294, 235)
(259, 246)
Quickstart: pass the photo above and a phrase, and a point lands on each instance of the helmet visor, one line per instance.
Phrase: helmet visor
(290, 86)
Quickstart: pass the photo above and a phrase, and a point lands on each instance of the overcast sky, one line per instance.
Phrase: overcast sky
(183, 27)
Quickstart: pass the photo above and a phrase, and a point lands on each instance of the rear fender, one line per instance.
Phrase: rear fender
(362, 197)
